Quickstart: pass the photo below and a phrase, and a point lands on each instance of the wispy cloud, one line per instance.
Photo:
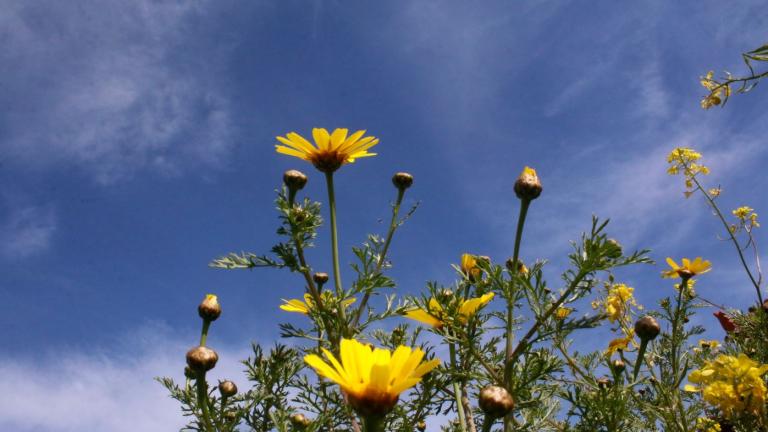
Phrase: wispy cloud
(105, 87)
(72, 389)
(27, 231)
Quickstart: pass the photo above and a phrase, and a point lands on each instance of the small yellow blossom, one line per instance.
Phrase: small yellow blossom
(435, 315)
(709, 344)
(690, 291)
(296, 305)
(618, 301)
(332, 150)
(747, 218)
(732, 384)
(372, 378)
(705, 424)
(620, 344)
(717, 91)
(686, 160)
(469, 267)
(714, 192)
(688, 269)
(562, 313)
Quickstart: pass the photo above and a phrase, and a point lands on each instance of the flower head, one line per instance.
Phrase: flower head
(562, 312)
(618, 301)
(372, 378)
(469, 267)
(688, 269)
(620, 344)
(434, 315)
(331, 151)
(732, 384)
(296, 305)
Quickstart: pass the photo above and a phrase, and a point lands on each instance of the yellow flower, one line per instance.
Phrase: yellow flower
(714, 192)
(616, 303)
(686, 160)
(469, 267)
(747, 218)
(562, 313)
(705, 424)
(688, 269)
(372, 378)
(296, 305)
(709, 344)
(732, 384)
(435, 316)
(620, 343)
(333, 150)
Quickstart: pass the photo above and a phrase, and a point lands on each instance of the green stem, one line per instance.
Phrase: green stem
(457, 391)
(382, 257)
(204, 332)
(675, 330)
(202, 402)
(488, 423)
(639, 359)
(334, 241)
(373, 423)
(524, 203)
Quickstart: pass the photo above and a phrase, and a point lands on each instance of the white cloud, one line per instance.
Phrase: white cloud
(27, 231)
(105, 87)
(71, 389)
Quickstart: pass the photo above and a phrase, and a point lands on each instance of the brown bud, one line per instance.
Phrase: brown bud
(227, 388)
(520, 267)
(209, 308)
(230, 416)
(201, 359)
(421, 426)
(528, 186)
(295, 180)
(320, 278)
(495, 401)
(614, 249)
(619, 366)
(647, 328)
(765, 306)
(402, 180)
(300, 421)
(604, 383)
(189, 373)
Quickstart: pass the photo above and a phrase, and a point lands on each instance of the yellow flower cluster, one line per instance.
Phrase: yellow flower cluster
(620, 344)
(707, 345)
(732, 384)
(618, 302)
(717, 91)
(562, 312)
(746, 216)
(469, 267)
(705, 424)
(685, 160)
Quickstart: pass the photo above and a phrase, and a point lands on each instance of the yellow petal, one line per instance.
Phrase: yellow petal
(291, 152)
(321, 138)
(337, 137)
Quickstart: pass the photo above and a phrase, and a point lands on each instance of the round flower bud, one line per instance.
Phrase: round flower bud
(496, 401)
(528, 186)
(227, 388)
(604, 383)
(521, 268)
(614, 249)
(230, 416)
(209, 308)
(619, 366)
(402, 180)
(421, 426)
(320, 278)
(300, 421)
(189, 373)
(647, 328)
(201, 359)
(295, 180)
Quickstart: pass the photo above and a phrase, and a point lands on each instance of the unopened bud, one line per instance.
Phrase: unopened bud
(614, 249)
(604, 383)
(619, 366)
(519, 267)
(209, 308)
(230, 416)
(201, 359)
(189, 373)
(421, 426)
(495, 401)
(446, 293)
(402, 180)
(295, 180)
(647, 328)
(227, 388)
(320, 278)
(527, 186)
(300, 421)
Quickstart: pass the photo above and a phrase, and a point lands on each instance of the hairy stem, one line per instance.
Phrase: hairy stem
(334, 241)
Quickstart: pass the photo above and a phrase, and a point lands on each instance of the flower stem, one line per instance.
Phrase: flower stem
(457, 391)
(639, 359)
(524, 203)
(374, 423)
(334, 241)
(202, 401)
(204, 332)
(488, 423)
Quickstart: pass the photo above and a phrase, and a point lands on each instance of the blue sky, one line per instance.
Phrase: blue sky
(136, 144)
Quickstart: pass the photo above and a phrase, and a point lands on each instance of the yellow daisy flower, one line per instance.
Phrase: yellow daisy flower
(562, 313)
(688, 269)
(620, 344)
(434, 315)
(296, 305)
(332, 150)
(372, 378)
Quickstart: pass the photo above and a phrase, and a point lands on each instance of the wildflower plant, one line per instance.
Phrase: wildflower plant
(492, 350)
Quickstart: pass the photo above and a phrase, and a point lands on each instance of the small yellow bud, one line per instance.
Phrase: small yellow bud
(227, 388)
(300, 421)
(209, 308)
(528, 186)
(201, 359)
(495, 401)
(402, 180)
(619, 366)
(647, 328)
(421, 426)
(294, 180)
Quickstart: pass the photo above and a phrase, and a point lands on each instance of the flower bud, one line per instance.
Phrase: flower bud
(604, 383)
(300, 421)
(421, 426)
(201, 359)
(613, 248)
(230, 416)
(189, 373)
(619, 366)
(402, 180)
(209, 308)
(520, 267)
(495, 401)
(446, 293)
(320, 278)
(227, 388)
(295, 180)
(528, 186)
(647, 328)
